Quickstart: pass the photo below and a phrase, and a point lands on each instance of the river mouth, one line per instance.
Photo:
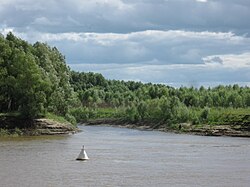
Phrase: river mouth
(125, 157)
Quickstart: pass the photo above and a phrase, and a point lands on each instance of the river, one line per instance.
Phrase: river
(124, 157)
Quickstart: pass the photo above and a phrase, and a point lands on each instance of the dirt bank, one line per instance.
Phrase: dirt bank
(36, 126)
(204, 130)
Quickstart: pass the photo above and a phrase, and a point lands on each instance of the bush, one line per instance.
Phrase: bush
(80, 114)
(70, 119)
(204, 114)
(4, 132)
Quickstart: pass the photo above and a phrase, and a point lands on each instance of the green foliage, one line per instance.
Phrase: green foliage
(70, 119)
(132, 114)
(107, 112)
(183, 114)
(33, 79)
(17, 132)
(55, 117)
(204, 115)
(11, 133)
(81, 113)
(229, 116)
(137, 102)
(4, 132)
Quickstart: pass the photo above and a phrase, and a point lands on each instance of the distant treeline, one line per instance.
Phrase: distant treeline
(34, 80)
(138, 102)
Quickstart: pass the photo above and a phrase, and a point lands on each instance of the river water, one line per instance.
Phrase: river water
(124, 157)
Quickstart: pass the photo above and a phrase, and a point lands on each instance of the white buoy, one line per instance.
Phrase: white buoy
(83, 155)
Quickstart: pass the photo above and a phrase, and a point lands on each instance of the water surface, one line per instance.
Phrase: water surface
(125, 157)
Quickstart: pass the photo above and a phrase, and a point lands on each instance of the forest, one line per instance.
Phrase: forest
(35, 81)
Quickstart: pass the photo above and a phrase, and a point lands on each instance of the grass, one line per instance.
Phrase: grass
(106, 113)
(55, 117)
(229, 116)
(11, 133)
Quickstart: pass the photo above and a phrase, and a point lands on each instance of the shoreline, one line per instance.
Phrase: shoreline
(12, 126)
(183, 128)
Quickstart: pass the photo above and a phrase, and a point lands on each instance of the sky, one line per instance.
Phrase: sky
(173, 42)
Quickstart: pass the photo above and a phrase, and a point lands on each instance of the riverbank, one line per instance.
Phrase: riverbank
(14, 126)
(233, 130)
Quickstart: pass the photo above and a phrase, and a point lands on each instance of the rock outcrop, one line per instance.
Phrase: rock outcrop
(36, 126)
(51, 127)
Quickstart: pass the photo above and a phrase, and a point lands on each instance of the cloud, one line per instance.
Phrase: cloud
(233, 61)
(175, 75)
(173, 57)
(213, 60)
(151, 46)
(124, 16)
(203, 1)
(44, 21)
(168, 41)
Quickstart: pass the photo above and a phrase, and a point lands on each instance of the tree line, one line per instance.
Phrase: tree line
(138, 102)
(35, 80)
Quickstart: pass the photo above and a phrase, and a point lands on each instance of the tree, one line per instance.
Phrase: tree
(33, 79)
(204, 114)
